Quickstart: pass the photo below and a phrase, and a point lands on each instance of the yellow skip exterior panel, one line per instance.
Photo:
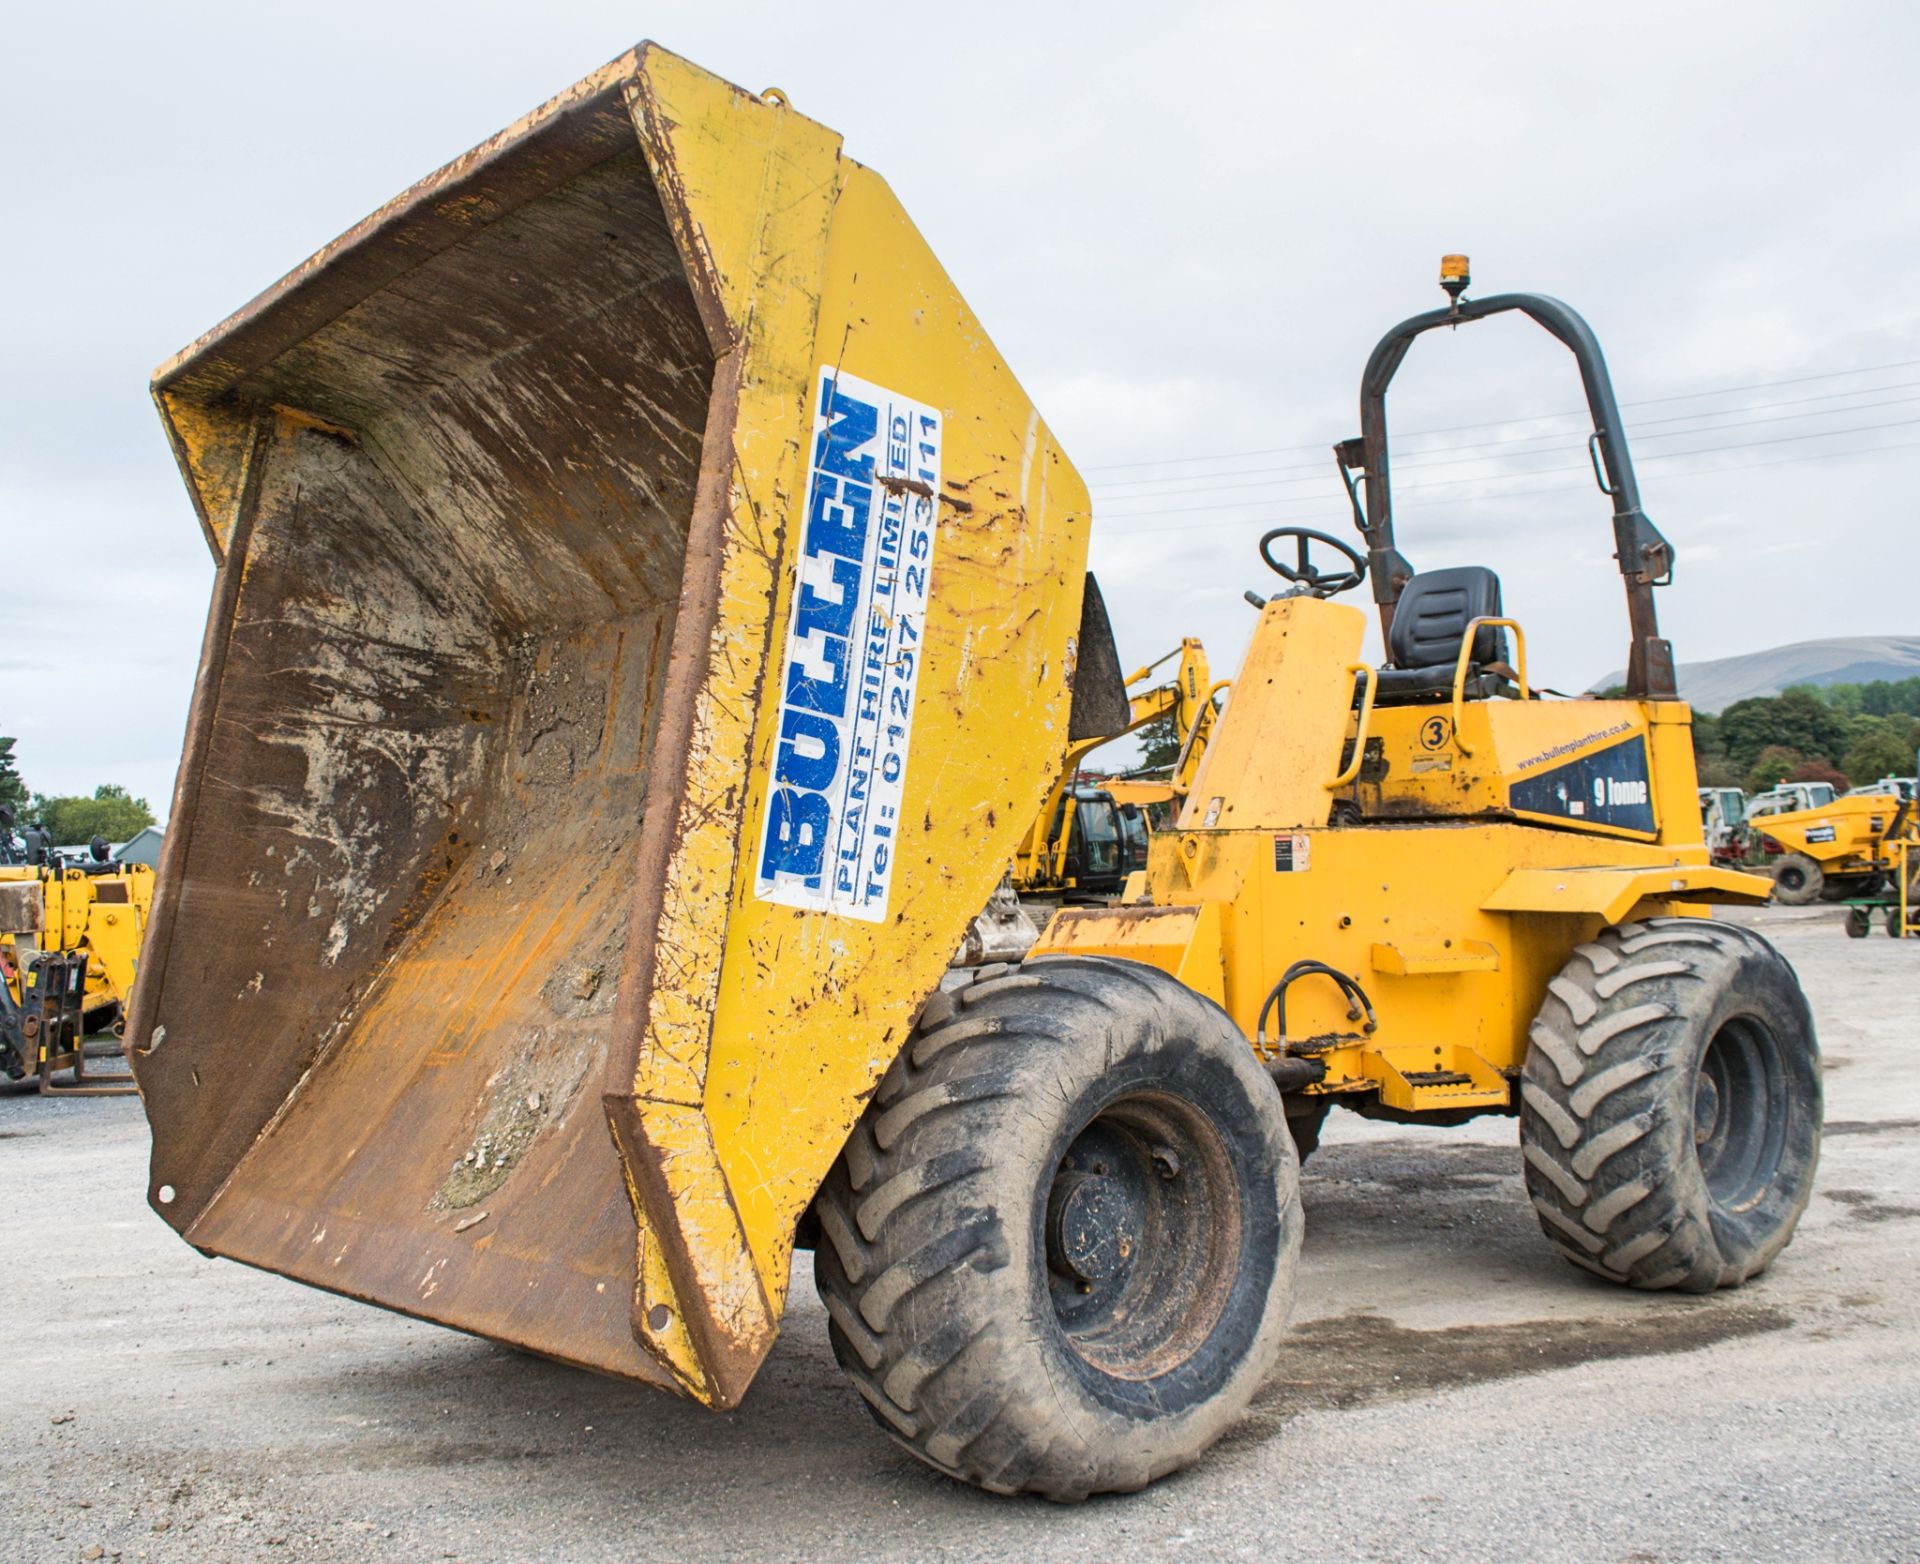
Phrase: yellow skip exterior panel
(990, 718)
(779, 1020)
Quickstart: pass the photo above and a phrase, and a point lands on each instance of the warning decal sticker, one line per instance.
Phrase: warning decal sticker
(853, 651)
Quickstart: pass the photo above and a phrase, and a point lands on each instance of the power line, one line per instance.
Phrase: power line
(1722, 412)
(1319, 468)
(1657, 401)
(1564, 488)
(1527, 439)
(1447, 483)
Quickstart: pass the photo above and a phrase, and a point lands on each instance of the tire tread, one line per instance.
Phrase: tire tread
(904, 1234)
(1602, 1074)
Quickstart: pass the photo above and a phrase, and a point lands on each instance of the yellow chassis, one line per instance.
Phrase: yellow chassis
(1457, 887)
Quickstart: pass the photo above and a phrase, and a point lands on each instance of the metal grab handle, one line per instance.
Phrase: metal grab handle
(1594, 443)
(1466, 656)
(1360, 732)
(1646, 558)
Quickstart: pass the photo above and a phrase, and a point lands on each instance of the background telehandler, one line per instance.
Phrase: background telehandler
(70, 933)
(648, 616)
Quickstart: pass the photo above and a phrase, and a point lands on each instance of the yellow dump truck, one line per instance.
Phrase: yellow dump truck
(1842, 848)
(649, 613)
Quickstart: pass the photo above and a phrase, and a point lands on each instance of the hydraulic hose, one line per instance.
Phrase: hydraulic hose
(1358, 1004)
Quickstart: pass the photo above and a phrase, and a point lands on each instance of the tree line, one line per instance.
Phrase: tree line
(71, 819)
(1846, 734)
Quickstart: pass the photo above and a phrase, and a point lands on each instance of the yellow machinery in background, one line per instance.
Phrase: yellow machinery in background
(1892, 889)
(1898, 904)
(104, 914)
(1843, 849)
(96, 910)
(553, 935)
(1089, 837)
(1191, 699)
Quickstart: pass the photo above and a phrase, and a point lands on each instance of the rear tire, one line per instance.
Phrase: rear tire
(1798, 880)
(1057, 1252)
(1671, 1105)
(1859, 922)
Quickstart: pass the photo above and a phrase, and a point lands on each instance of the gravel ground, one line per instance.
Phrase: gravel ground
(1452, 1390)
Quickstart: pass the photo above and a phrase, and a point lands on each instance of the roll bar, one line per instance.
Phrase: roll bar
(1646, 558)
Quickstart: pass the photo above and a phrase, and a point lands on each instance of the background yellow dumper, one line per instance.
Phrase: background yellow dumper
(649, 616)
(1846, 847)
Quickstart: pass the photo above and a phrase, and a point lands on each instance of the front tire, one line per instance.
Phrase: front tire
(1057, 1252)
(1671, 1105)
(1798, 881)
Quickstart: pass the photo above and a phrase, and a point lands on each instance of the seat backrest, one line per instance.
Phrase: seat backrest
(1433, 613)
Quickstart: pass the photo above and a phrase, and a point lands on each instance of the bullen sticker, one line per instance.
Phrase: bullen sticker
(854, 646)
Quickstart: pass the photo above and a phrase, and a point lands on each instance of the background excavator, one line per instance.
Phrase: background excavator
(1090, 836)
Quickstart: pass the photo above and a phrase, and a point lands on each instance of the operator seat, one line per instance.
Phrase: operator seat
(1429, 621)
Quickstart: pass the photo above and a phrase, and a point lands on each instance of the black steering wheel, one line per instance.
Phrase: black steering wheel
(1303, 573)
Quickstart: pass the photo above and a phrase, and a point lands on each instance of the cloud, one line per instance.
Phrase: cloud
(1184, 227)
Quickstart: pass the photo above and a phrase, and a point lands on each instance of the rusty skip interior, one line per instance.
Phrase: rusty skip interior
(417, 795)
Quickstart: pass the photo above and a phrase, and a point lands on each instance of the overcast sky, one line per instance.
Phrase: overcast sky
(1184, 226)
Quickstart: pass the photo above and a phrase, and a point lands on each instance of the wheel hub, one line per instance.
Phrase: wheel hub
(1740, 1113)
(1706, 1108)
(1140, 1235)
(1093, 1227)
